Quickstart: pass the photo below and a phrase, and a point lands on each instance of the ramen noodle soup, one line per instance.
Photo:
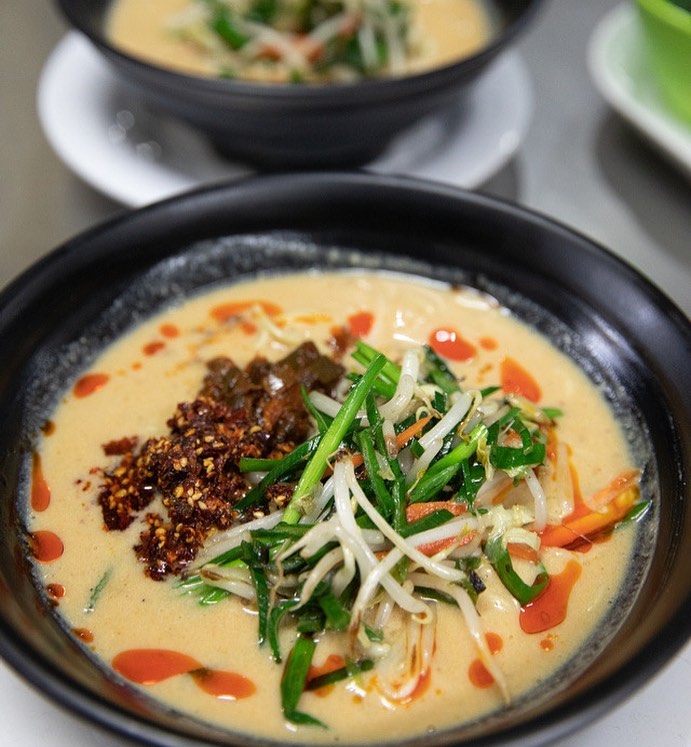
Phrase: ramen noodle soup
(354, 515)
(293, 42)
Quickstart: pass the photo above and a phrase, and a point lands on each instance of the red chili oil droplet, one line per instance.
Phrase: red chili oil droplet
(494, 642)
(48, 428)
(550, 608)
(580, 507)
(421, 688)
(136, 366)
(83, 634)
(46, 546)
(225, 311)
(479, 676)
(40, 491)
(488, 343)
(360, 324)
(516, 380)
(55, 591)
(169, 330)
(449, 344)
(332, 663)
(223, 685)
(146, 666)
(90, 383)
(546, 644)
(478, 672)
(152, 348)
(316, 318)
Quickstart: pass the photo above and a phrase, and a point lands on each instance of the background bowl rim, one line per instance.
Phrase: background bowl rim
(314, 92)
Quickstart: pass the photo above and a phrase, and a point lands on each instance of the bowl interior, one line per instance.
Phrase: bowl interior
(627, 336)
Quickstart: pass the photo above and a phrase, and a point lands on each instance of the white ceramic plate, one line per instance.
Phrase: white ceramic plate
(121, 148)
(618, 66)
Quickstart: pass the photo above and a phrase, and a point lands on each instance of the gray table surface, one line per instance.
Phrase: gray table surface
(580, 163)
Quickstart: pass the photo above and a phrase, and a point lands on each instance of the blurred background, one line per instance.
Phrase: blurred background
(584, 145)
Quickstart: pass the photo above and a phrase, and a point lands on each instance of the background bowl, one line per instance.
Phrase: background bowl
(57, 316)
(279, 126)
(667, 32)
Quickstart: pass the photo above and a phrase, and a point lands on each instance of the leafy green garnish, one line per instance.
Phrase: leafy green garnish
(98, 590)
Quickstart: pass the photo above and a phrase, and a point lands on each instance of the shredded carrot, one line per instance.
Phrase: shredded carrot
(592, 523)
(312, 49)
(402, 438)
(411, 431)
(432, 548)
(522, 551)
(270, 52)
(498, 499)
(621, 482)
(417, 511)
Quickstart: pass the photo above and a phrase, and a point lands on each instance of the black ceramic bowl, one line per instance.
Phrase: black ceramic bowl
(623, 331)
(280, 126)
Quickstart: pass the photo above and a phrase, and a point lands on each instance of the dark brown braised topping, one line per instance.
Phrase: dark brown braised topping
(270, 392)
(255, 412)
(340, 341)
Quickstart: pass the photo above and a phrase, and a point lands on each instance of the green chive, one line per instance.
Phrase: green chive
(330, 441)
(282, 468)
(98, 590)
(499, 557)
(343, 673)
(294, 680)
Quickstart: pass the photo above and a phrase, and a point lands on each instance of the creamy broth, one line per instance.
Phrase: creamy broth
(443, 31)
(145, 374)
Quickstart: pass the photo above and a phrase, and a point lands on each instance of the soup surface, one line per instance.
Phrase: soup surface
(539, 593)
(333, 41)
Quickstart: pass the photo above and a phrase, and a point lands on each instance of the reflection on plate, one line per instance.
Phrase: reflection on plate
(620, 72)
(118, 146)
